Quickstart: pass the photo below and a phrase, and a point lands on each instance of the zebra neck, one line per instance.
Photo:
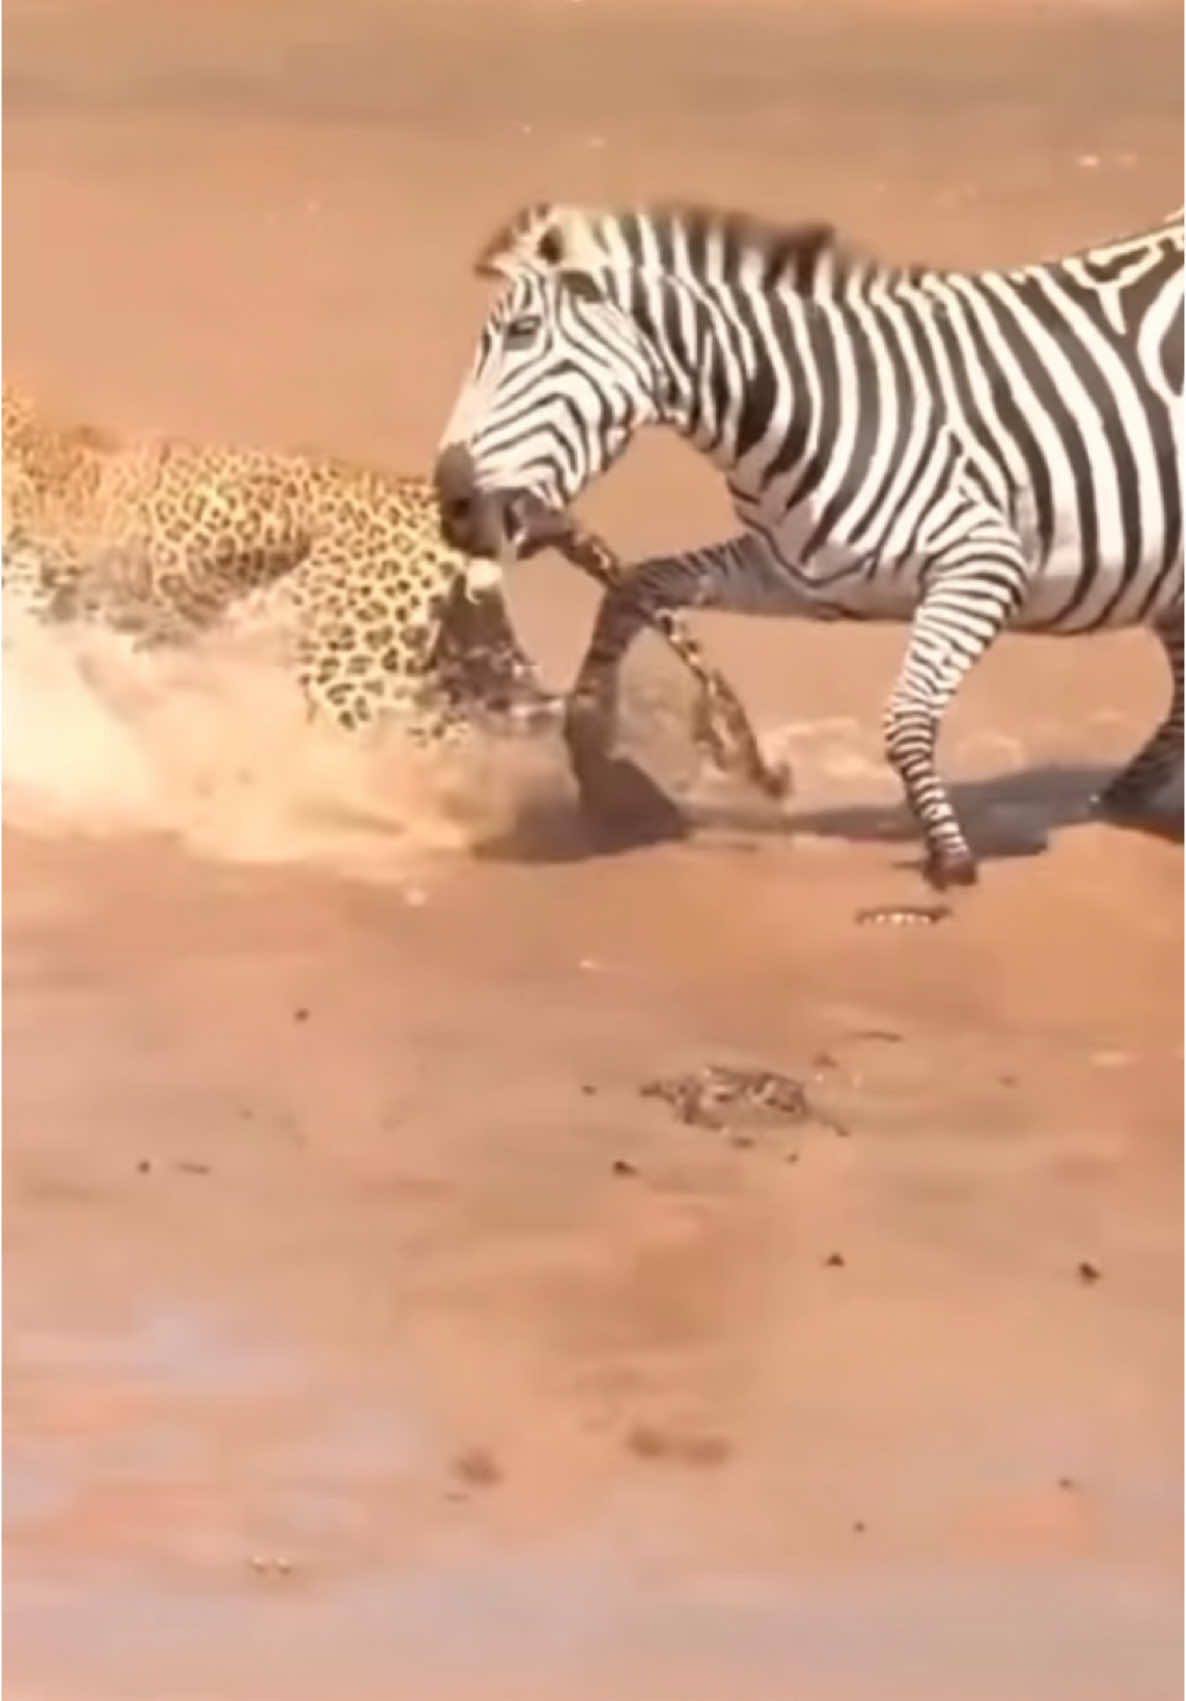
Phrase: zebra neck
(736, 370)
(758, 380)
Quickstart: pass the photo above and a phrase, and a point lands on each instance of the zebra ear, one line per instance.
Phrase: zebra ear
(543, 237)
(550, 246)
(559, 247)
(580, 284)
(531, 238)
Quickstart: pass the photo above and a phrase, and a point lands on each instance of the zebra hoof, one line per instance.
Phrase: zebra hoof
(943, 872)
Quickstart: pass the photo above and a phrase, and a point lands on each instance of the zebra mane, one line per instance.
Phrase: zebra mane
(723, 245)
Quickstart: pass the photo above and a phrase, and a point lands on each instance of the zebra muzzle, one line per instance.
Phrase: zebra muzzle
(495, 524)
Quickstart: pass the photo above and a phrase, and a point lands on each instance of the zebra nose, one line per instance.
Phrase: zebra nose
(457, 494)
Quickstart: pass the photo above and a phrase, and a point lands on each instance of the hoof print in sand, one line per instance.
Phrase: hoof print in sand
(718, 1094)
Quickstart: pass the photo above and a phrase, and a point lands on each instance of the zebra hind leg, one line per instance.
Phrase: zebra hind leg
(1134, 789)
(965, 606)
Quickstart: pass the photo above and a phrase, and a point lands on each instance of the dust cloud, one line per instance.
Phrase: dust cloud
(211, 744)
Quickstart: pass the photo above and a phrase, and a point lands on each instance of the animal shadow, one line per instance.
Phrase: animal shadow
(621, 809)
(617, 808)
(1006, 815)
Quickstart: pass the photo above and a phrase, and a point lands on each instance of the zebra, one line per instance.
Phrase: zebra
(965, 451)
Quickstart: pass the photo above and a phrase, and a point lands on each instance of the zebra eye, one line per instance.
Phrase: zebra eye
(521, 331)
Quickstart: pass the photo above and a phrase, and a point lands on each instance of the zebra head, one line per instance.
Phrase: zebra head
(561, 380)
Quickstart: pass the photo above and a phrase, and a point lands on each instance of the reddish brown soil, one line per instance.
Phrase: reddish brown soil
(367, 1334)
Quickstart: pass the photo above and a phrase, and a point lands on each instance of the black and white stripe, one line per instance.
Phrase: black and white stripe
(967, 451)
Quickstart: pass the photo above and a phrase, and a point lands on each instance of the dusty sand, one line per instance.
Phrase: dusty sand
(340, 1361)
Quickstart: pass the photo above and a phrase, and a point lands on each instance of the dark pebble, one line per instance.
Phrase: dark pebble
(1089, 1272)
(704, 1450)
(300, 1014)
(144, 1166)
(477, 1466)
(648, 1443)
(834, 1261)
(623, 1166)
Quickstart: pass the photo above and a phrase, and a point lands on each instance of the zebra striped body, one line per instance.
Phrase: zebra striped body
(969, 452)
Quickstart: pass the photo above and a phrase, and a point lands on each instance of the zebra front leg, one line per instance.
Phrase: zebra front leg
(615, 793)
(652, 595)
(965, 606)
(1136, 786)
(591, 713)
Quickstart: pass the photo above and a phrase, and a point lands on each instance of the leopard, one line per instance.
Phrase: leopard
(160, 538)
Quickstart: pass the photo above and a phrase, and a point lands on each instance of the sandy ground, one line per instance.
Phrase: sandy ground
(367, 1333)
